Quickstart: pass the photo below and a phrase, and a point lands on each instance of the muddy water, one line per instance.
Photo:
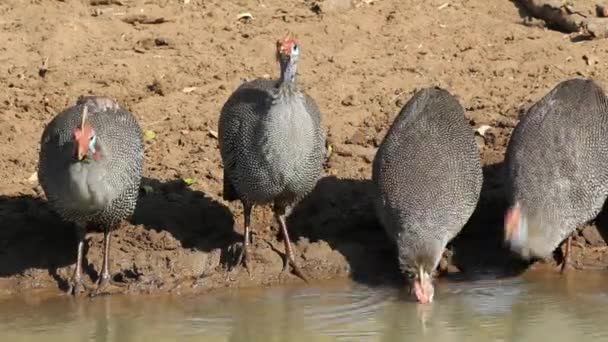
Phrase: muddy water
(529, 308)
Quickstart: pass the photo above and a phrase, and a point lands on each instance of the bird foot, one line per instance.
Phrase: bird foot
(107, 286)
(296, 271)
(564, 267)
(242, 261)
(76, 287)
(566, 255)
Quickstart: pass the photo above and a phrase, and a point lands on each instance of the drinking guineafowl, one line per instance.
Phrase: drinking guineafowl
(427, 174)
(557, 174)
(272, 146)
(90, 166)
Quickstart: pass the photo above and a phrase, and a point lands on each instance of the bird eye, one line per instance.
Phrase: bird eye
(294, 48)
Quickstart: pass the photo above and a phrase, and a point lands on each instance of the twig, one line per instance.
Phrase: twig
(143, 19)
(106, 2)
(565, 18)
(156, 122)
(44, 68)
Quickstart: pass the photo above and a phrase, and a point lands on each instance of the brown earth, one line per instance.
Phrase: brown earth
(361, 63)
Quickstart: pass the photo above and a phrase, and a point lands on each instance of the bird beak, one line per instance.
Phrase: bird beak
(81, 151)
(423, 287)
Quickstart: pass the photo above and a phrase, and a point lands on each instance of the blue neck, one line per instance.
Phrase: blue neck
(288, 72)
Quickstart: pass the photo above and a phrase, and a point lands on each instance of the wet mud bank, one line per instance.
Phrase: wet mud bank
(181, 241)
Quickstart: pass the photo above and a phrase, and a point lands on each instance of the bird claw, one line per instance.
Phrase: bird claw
(243, 261)
(564, 267)
(104, 285)
(566, 255)
(76, 287)
(296, 271)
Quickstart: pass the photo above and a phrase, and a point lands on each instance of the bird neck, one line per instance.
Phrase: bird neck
(288, 73)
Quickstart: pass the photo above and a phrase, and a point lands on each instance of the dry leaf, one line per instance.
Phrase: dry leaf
(189, 181)
(244, 15)
(482, 130)
(330, 151)
(188, 89)
(443, 6)
(149, 135)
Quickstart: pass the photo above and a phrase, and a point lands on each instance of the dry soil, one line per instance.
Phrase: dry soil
(360, 61)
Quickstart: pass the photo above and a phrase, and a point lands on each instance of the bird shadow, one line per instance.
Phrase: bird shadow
(341, 213)
(190, 216)
(601, 226)
(33, 236)
(479, 249)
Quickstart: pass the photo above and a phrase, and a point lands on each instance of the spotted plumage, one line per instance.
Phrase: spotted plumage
(556, 162)
(90, 164)
(428, 177)
(271, 143)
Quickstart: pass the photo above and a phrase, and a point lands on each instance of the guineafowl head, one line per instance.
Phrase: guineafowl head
(86, 145)
(525, 231)
(420, 276)
(421, 283)
(288, 52)
(418, 258)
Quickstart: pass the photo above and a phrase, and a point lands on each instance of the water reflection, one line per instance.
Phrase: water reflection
(518, 309)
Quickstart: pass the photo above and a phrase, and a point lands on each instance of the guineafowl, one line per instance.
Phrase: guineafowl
(427, 174)
(272, 146)
(91, 159)
(556, 162)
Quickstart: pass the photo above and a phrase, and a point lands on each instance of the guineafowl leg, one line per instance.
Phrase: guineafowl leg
(566, 259)
(244, 255)
(104, 277)
(76, 284)
(280, 215)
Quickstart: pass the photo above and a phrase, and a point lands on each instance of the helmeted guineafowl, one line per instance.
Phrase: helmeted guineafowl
(272, 146)
(90, 166)
(557, 162)
(428, 177)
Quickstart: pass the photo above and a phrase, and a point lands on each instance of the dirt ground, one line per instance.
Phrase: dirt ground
(360, 61)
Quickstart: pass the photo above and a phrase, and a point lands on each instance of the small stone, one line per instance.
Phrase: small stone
(359, 138)
(348, 101)
(156, 87)
(590, 60)
(489, 138)
(161, 41)
(317, 251)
